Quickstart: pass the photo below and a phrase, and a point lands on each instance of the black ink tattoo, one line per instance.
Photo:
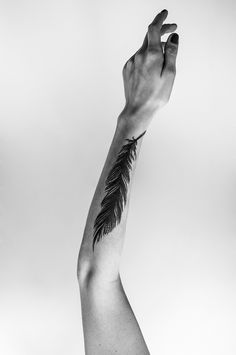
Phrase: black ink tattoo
(115, 199)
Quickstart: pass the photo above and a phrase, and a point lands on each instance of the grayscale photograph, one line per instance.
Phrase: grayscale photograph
(118, 177)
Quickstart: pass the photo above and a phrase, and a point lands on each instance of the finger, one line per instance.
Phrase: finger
(160, 18)
(168, 27)
(170, 53)
(142, 49)
(154, 30)
(144, 45)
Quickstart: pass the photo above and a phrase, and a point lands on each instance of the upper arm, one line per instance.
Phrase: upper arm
(110, 326)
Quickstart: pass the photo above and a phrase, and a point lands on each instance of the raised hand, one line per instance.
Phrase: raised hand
(149, 74)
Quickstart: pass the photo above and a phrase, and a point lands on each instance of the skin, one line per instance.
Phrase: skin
(149, 74)
(109, 323)
(116, 191)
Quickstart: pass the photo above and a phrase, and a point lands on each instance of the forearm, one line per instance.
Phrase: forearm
(105, 227)
(148, 80)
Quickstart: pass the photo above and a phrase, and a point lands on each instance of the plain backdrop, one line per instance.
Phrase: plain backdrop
(61, 91)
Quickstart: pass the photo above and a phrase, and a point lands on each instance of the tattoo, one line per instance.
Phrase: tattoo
(115, 199)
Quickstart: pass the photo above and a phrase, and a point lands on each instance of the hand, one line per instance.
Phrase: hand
(149, 74)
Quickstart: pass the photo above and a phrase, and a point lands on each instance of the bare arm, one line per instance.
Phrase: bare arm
(148, 79)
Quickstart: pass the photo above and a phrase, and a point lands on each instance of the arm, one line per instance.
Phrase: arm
(104, 232)
(148, 79)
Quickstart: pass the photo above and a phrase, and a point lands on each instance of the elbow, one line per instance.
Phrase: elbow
(83, 270)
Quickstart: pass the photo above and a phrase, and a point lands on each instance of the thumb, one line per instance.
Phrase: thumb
(170, 53)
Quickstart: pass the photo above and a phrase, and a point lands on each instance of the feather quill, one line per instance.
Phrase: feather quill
(116, 183)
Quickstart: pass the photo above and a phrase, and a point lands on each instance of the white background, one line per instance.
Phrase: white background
(61, 91)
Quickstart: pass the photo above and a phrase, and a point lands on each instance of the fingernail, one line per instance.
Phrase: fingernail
(175, 38)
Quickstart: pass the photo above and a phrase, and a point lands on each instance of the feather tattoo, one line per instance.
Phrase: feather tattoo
(116, 183)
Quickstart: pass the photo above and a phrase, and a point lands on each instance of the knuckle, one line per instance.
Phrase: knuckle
(152, 50)
(127, 64)
(171, 50)
(124, 70)
(127, 67)
(138, 57)
(150, 58)
(151, 27)
(171, 69)
(154, 54)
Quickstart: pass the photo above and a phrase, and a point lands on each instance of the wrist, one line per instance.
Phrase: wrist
(138, 120)
(133, 122)
(127, 126)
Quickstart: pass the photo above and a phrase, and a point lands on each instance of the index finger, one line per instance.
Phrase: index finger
(154, 30)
